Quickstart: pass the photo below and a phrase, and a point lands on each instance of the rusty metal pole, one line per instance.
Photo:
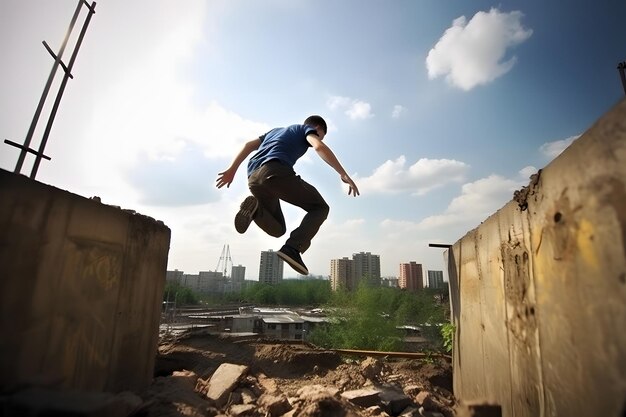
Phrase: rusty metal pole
(57, 101)
(57, 61)
(621, 67)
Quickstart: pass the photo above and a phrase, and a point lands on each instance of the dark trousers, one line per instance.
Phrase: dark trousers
(275, 181)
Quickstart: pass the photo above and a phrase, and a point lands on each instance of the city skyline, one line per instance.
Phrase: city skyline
(352, 270)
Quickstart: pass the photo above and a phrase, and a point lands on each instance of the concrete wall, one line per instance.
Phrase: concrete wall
(538, 290)
(81, 286)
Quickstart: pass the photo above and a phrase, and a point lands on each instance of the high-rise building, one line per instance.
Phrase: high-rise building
(237, 279)
(238, 273)
(411, 276)
(190, 281)
(366, 266)
(270, 268)
(391, 282)
(174, 276)
(342, 274)
(211, 282)
(435, 279)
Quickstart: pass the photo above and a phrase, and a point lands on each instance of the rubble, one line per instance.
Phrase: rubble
(281, 379)
(207, 375)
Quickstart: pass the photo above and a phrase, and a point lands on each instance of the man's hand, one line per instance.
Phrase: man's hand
(352, 186)
(225, 178)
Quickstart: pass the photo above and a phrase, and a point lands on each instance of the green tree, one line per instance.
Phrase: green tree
(447, 334)
(369, 318)
(287, 293)
(359, 321)
(175, 292)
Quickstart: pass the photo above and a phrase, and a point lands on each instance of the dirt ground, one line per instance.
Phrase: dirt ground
(283, 368)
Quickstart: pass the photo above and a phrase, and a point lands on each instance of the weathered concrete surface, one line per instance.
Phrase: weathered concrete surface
(80, 290)
(538, 290)
(365, 397)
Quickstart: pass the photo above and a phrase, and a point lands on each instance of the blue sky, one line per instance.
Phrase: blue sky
(439, 110)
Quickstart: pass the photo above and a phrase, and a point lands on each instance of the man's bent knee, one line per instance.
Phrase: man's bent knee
(277, 233)
(324, 209)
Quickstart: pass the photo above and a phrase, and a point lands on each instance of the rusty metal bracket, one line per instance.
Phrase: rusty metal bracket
(29, 150)
(621, 67)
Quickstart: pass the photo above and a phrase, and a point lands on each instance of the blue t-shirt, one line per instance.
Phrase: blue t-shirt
(286, 144)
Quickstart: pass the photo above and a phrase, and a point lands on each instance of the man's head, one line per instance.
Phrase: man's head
(319, 124)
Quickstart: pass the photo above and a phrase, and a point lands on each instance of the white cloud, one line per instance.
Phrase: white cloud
(478, 200)
(338, 102)
(353, 108)
(220, 131)
(359, 110)
(554, 149)
(526, 172)
(472, 53)
(177, 181)
(419, 178)
(397, 111)
(144, 113)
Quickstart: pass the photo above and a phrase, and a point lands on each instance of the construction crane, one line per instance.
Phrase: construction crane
(224, 262)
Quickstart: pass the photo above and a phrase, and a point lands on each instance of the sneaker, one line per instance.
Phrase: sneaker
(246, 213)
(292, 257)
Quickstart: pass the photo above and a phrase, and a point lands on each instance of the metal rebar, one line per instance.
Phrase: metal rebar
(33, 124)
(57, 101)
(409, 355)
(17, 145)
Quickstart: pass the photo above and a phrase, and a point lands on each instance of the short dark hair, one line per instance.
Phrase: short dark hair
(316, 121)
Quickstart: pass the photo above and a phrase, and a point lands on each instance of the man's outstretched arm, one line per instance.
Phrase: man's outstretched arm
(329, 157)
(226, 177)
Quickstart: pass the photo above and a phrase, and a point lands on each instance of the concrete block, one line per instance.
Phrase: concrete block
(223, 381)
(362, 397)
(81, 290)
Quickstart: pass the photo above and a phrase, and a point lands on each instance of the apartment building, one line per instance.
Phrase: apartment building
(435, 279)
(342, 274)
(238, 273)
(211, 282)
(174, 276)
(270, 268)
(367, 266)
(411, 276)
